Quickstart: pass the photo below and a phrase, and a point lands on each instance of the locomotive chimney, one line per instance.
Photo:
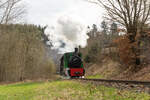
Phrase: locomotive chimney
(79, 48)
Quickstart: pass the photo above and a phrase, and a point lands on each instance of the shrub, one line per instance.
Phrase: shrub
(87, 59)
(93, 52)
(125, 51)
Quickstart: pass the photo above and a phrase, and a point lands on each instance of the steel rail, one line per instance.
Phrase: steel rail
(118, 81)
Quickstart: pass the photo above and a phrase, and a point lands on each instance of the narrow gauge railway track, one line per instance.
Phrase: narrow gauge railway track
(138, 86)
(145, 83)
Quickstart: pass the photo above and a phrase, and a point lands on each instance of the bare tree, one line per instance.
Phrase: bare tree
(133, 14)
(23, 55)
(11, 11)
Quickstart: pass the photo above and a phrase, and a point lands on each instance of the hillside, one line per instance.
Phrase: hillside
(109, 69)
(23, 54)
(113, 56)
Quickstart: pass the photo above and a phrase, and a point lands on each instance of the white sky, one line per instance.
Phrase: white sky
(46, 12)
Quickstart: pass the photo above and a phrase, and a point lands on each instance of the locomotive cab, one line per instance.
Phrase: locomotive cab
(72, 64)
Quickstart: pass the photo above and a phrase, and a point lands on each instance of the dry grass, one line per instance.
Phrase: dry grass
(107, 68)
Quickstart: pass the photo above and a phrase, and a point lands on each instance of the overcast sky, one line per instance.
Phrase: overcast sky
(69, 18)
(48, 11)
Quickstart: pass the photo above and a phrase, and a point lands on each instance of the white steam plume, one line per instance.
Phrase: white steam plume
(69, 32)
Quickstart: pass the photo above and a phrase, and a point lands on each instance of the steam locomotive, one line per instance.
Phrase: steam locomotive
(71, 65)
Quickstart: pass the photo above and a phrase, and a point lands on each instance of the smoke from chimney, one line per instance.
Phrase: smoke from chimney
(70, 31)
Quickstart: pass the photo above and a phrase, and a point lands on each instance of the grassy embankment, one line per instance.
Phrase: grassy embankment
(65, 90)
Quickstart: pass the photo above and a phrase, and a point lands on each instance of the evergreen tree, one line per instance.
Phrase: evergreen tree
(104, 27)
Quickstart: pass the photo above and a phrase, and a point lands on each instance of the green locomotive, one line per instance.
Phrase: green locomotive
(72, 65)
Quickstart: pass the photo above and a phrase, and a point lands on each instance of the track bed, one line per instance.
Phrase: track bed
(138, 86)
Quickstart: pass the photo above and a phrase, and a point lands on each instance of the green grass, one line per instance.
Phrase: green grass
(65, 90)
(94, 76)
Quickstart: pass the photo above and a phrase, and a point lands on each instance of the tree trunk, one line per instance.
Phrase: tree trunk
(132, 32)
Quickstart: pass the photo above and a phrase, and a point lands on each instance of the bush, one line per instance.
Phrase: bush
(125, 51)
(87, 59)
(93, 52)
